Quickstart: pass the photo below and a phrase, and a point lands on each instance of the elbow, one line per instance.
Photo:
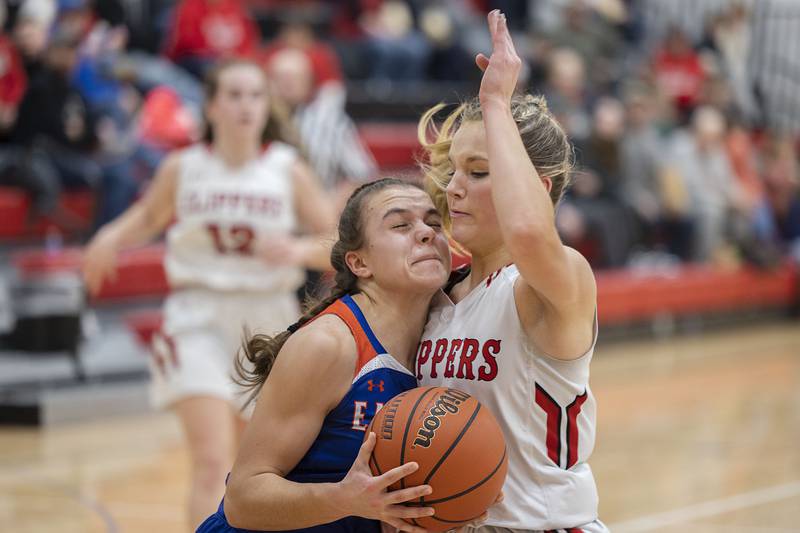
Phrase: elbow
(235, 514)
(526, 236)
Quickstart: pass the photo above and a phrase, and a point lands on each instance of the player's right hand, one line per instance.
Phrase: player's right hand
(99, 262)
(362, 494)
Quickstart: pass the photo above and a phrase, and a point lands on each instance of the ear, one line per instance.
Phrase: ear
(548, 184)
(356, 264)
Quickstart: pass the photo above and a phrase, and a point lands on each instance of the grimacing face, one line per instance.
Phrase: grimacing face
(240, 106)
(405, 247)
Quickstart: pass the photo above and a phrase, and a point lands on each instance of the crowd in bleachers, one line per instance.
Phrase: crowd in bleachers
(685, 115)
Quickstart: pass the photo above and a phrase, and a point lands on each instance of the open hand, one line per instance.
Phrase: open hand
(501, 69)
(362, 494)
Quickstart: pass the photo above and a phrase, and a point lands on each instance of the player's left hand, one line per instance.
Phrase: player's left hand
(501, 69)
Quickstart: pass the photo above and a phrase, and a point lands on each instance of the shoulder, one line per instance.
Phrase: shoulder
(326, 345)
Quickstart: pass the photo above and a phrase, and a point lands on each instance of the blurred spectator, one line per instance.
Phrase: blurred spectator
(713, 192)
(379, 40)
(327, 134)
(679, 73)
(567, 92)
(644, 181)
(58, 134)
(730, 38)
(203, 31)
(595, 192)
(297, 35)
(590, 34)
(782, 185)
(13, 80)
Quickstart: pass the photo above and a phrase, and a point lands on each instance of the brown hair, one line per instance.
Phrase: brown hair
(544, 139)
(262, 350)
(279, 124)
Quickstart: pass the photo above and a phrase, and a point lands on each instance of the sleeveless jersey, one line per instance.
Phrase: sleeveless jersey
(223, 217)
(544, 406)
(378, 378)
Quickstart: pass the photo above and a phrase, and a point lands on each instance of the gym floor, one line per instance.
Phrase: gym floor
(696, 433)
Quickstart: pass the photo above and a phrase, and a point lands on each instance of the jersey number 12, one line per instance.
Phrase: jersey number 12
(237, 239)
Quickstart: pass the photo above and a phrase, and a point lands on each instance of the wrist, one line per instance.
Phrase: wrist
(495, 102)
(337, 506)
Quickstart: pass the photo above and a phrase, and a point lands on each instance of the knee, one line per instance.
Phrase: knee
(211, 468)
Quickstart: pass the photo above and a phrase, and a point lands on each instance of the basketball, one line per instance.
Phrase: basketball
(458, 445)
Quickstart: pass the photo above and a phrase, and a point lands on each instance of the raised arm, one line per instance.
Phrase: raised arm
(139, 224)
(309, 378)
(558, 286)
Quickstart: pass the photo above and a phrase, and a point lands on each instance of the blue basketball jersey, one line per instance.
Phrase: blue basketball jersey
(378, 378)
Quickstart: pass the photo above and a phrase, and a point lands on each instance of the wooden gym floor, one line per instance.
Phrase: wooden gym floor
(697, 433)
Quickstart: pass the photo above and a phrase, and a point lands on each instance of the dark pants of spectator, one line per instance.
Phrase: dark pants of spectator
(55, 167)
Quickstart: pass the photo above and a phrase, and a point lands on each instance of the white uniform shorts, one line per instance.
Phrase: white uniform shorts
(593, 527)
(202, 333)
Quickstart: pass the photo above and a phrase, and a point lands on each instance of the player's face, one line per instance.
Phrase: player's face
(405, 248)
(469, 192)
(240, 106)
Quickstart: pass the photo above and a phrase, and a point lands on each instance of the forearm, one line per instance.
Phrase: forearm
(270, 502)
(134, 228)
(521, 199)
(317, 252)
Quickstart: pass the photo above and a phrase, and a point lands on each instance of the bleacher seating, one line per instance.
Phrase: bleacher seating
(393, 145)
(624, 296)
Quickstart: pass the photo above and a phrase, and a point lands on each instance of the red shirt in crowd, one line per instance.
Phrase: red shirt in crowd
(324, 61)
(13, 80)
(681, 77)
(212, 28)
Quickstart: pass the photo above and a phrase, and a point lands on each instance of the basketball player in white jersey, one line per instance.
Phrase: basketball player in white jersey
(516, 330)
(232, 261)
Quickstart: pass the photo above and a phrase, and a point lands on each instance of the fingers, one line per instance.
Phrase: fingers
(366, 449)
(401, 511)
(500, 497)
(406, 495)
(396, 474)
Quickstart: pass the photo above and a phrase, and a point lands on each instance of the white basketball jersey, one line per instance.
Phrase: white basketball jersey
(544, 405)
(224, 218)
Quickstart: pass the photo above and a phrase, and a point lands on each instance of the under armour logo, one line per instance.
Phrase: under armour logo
(371, 385)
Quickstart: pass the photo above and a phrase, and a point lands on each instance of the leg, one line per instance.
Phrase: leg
(210, 425)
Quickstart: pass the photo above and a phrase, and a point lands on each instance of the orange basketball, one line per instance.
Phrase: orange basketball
(458, 445)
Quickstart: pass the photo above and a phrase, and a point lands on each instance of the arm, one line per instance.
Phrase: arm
(287, 420)
(557, 288)
(316, 213)
(139, 224)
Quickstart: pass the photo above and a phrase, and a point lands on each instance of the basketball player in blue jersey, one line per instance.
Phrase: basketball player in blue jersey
(302, 465)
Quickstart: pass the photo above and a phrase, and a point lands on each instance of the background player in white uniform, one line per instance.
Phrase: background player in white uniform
(231, 261)
(518, 329)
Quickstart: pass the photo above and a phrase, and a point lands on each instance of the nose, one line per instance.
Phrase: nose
(425, 234)
(455, 187)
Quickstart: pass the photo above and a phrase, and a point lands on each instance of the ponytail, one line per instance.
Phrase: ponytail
(258, 353)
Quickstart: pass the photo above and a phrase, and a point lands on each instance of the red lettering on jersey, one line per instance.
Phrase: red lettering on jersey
(438, 355)
(422, 356)
(489, 371)
(449, 369)
(469, 352)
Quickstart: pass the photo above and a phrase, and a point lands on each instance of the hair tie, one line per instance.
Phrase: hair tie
(294, 327)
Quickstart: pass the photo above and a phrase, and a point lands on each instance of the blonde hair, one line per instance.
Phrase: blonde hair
(545, 143)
